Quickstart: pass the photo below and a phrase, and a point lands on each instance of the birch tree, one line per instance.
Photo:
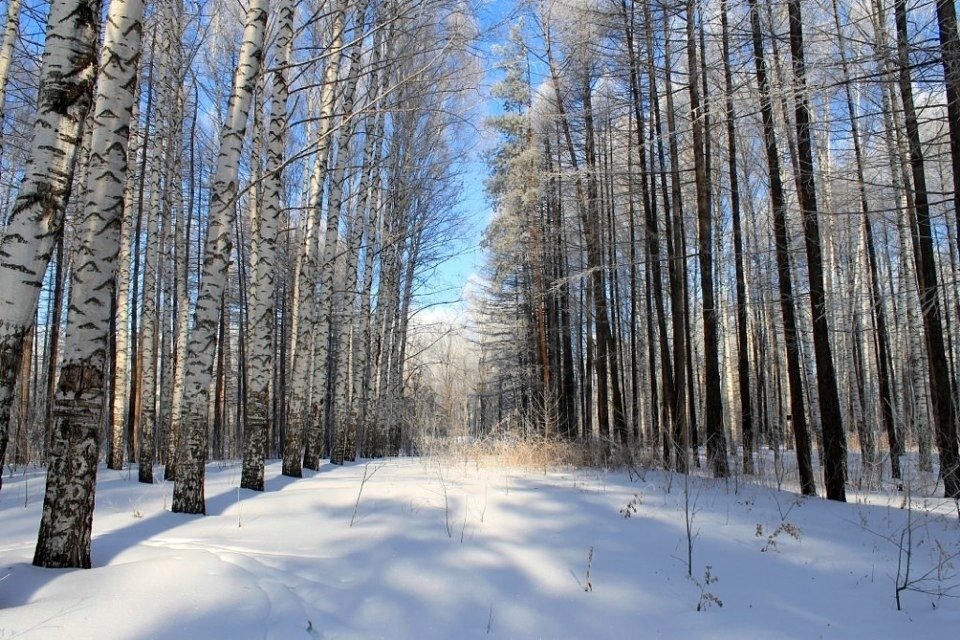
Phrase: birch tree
(35, 222)
(332, 256)
(303, 418)
(10, 35)
(263, 261)
(65, 528)
(188, 494)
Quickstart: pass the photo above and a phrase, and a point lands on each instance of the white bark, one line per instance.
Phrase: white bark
(328, 267)
(149, 335)
(121, 355)
(264, 228)
(65, 529)
(301, 416)
(188, 494)
(363, 232)
(181, 324)
(67, 75)
(174, 313)
(10, 35)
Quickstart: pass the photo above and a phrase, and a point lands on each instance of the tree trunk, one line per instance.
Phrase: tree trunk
(713, 418)
(941, 396)
(676, 256)
(263, 261)
(10, 35)
(302, 419)
(67, 76)
(950, 57)
(834, 439)
(66, 524)
(787, 303)
(188, 494)
(328, 404)
(743, 346)
(149, 323)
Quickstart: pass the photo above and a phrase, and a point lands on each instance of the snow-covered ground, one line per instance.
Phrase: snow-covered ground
(458, 549)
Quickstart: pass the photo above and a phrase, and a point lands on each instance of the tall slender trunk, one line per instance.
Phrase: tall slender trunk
(362, 347)
(882, 340)
(188, 493)
(713, 418)
(182, 307)
(676, 255)
(67, 76)
(327, 404)
(353, 362)
(121, 329)
(950, 57)
(941, 396)
(263, 263)
(66, 524)
(10, 35)
(135, 398)
(303, 420)
(149, 319)
(743, 346)
(55, 319)
(834, 439)
(787, 303)
(652, 234)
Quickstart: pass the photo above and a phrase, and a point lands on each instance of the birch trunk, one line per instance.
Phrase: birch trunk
(67, 76)
(263, 261)
(365, 233)
(10, 35)
(363, 353)
(301, 416)
(182, 306)
(188, 493)
(147, 421)
(743, 348)
(121, 351)
(328, 402)
(65, 528)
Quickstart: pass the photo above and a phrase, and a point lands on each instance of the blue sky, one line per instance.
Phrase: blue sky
(455, 273)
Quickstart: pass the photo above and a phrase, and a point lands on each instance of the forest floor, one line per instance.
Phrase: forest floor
(463, 549)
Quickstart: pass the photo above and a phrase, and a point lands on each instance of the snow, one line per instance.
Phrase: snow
(461, 549)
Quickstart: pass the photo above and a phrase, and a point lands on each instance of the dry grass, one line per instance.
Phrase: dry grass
(534, 453)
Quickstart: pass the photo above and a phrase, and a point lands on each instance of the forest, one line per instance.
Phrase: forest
(718, 236)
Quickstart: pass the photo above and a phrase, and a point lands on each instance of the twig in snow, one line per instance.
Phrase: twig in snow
(587, 585)
(446, 500)
(483, 511)
(367, 474)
